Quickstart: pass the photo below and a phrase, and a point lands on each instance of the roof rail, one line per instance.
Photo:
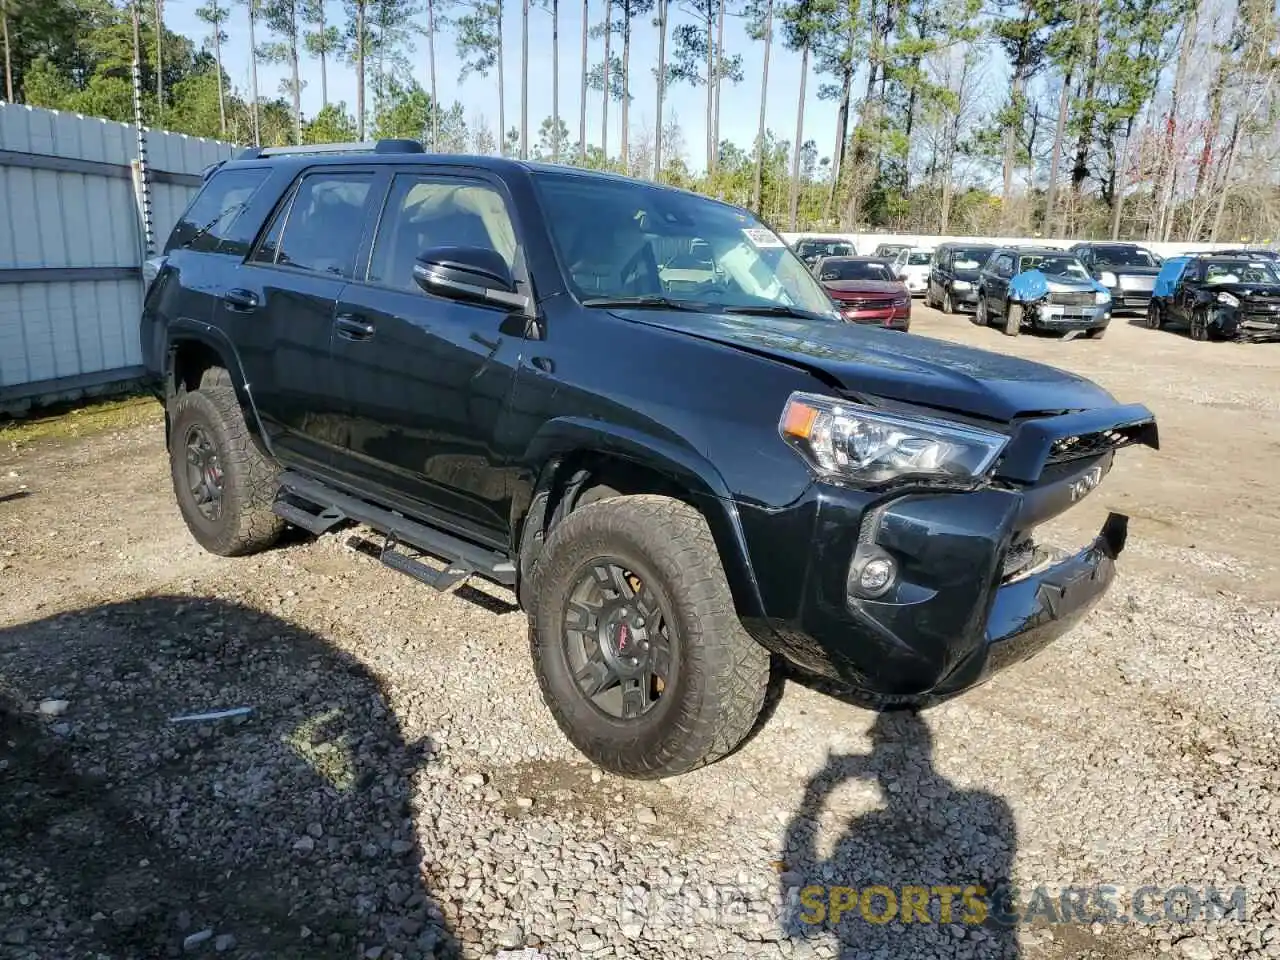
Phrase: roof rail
(368, 146)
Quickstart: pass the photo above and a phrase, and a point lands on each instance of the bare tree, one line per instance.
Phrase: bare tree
(761, 28)
(582, 119)
(661, 74)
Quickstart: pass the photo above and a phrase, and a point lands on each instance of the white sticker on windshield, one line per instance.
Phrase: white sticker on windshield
(762, 238)
(1257, 266)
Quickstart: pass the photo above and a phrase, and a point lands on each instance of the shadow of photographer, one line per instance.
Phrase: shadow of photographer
(285, 832)
(922, 876)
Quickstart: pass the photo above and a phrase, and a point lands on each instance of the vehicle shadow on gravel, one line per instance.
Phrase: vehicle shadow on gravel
(928, 843)
(286, 832)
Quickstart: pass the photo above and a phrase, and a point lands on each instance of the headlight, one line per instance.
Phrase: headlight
(1231, 300)
(1101, 296)
(960, 284)
(1108, 279)
(848, 441)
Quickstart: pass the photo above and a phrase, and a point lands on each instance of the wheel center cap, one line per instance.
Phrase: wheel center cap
(624, 643)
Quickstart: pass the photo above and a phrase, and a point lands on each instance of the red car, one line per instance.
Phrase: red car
(866, 290)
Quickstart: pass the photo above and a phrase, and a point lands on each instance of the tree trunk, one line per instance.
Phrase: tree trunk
(842, 129)
(159, 4)
(795, 147)
(502, 97)
(764, 98)
(1011, 150)
(1224, 190)
(431, 57)
(1059, 135)
(253, 76)
(359, 68)
(217, 60)
(1080, 170)
(626, 85)
(582, 119)
(524, 82)
(8, 54)
(604, 118)
(297, 82)
(555, 79)
(711, 92)
(1168, 166)
(662, 88)
(718, 60)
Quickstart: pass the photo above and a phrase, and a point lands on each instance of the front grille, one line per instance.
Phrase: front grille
(1072, 298)
(1262, 309)
(1094, 444)
(867, 303)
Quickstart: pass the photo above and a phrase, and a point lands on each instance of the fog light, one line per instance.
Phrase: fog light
(871, 574)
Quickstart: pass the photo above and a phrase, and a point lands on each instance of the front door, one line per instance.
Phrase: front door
(996, 283)
(283, 298)
(426, 379)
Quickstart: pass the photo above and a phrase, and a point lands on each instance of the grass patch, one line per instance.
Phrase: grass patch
(81, 419)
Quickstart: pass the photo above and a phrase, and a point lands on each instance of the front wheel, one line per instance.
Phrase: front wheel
(1199, 324)
(980, 316)
(224, 485)
(948, 305)
(636, 644)
(1155, 318)
(1012, 319)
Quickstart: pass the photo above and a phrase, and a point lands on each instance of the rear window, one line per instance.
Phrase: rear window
(919, 259)
(854, 270)
(209, 225)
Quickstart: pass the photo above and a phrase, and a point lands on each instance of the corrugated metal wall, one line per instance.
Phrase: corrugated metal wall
(71, 246)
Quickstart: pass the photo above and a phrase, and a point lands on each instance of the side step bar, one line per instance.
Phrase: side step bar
(464, 558)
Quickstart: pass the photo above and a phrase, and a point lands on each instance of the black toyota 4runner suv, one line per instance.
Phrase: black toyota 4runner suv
(479, 358)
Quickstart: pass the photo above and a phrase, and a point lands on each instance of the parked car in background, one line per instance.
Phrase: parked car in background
(953, 277)
(1259, 254)
(888, 251)
(1045, 289)
(912, 267)
(1218, 297)
(866, 291)
(812, 249)
(1127, 270)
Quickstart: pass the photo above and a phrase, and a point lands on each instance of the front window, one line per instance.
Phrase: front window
(970, 259)
(624, 240)
(1240, 271)
(1065, 267)
(1124, 257)
(855, 270)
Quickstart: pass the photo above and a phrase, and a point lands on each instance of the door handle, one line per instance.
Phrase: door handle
(352, 327)
(240, 300)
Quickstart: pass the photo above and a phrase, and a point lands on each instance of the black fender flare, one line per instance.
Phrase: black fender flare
(560, 444)
(186, 330)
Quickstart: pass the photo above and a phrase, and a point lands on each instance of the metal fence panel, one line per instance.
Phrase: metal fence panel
(71, 245)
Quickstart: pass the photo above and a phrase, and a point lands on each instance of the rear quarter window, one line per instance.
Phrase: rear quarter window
(213, 223)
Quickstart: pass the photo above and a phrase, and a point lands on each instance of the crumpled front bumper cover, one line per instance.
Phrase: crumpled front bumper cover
(953, 618)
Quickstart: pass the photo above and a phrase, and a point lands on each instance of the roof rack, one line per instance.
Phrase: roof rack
(368, 146)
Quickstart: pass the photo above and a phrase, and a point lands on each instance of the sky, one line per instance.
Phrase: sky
(479, 96)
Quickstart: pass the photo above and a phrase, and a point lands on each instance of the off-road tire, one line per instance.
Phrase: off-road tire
(249, 479)
(723, 674)
(1012, 319)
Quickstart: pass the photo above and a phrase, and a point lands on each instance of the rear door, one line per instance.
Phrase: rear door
(426, 379)
(281, 303)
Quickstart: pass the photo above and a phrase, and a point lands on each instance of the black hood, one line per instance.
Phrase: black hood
(903, 367)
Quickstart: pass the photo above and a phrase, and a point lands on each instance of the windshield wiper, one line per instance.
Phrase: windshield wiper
(647, 301)
(778, 310)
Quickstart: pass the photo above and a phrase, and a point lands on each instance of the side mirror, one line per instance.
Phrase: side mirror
(477, 274)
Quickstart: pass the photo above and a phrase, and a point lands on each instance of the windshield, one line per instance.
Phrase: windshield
(824, 248)
(1241, 271)
(621, 239)
(1063, 266)
(1124, 257)
(971, 259)
(855, 270)
(920, 258)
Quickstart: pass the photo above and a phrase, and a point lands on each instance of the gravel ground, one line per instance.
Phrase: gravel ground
(396, 789)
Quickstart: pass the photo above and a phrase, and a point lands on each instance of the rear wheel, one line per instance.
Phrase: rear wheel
(1012, 319)
(636, 644)
(225, 487)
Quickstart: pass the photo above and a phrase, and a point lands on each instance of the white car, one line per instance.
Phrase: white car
(912, 267)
